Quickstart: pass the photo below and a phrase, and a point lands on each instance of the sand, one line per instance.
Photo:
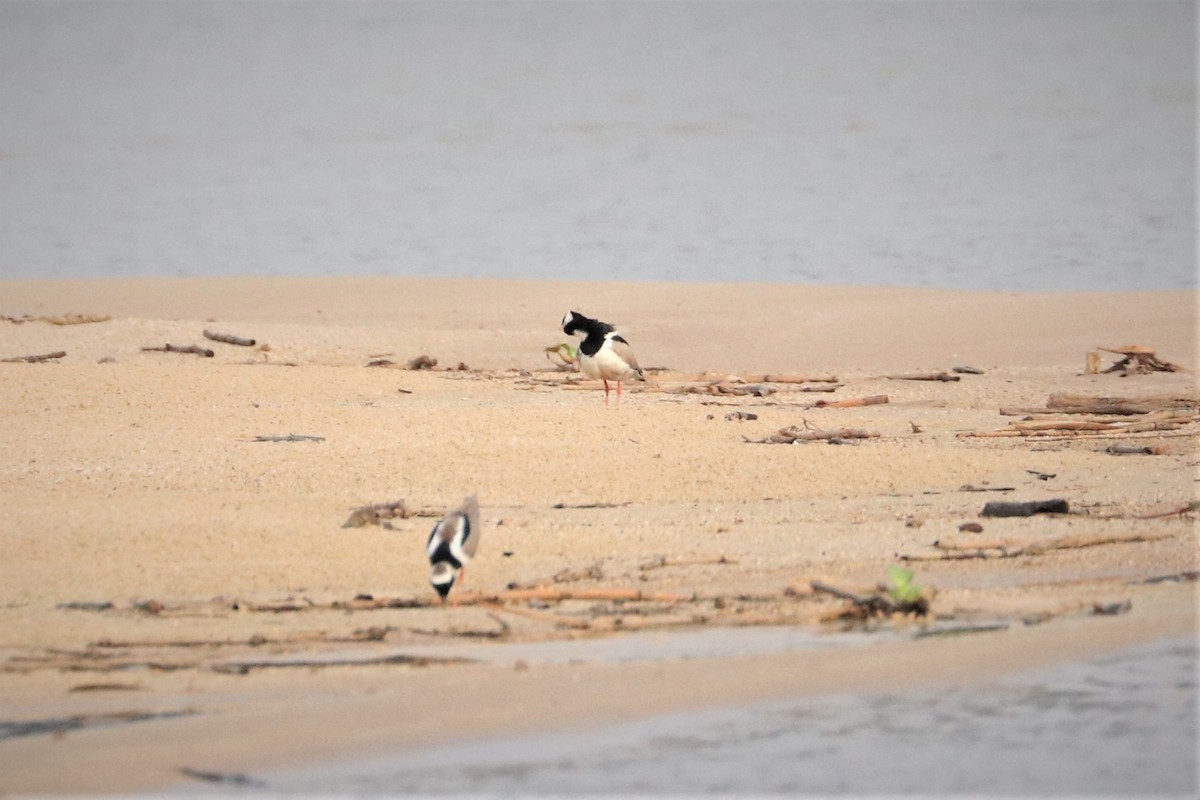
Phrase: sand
(135, 478)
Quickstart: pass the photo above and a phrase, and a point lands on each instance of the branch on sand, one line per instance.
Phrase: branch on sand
(793, 434)
(36, 359)
(190, 349)
(226, 338)
(966, 550)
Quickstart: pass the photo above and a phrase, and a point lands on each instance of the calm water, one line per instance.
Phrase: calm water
(993, 145)
(1124, 724)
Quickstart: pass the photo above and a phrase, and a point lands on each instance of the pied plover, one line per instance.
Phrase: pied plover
(603, 353)
(452, 544)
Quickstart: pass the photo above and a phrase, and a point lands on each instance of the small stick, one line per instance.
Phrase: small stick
(853, 402)
(36, 359)
(663, 561)
(228, 339)
(967, 550)
(797, 379)
(543, 616)
(924, 376)
(174, 348)
(291, 437)
(793, 434)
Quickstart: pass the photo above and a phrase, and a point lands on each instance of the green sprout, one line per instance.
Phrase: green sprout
(904, 591)
(564, 352)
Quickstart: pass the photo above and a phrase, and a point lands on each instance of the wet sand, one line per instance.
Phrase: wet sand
(135, 479)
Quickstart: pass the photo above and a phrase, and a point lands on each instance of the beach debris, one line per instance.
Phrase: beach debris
(1112, 609)
(1106, 405)
(190, 349)
(246, 666)
(734, 416)
(950, 550)
(377, 514)
(230, 778)
(562, 355)
(900, 596)
(226, 338)
(1166, 419)
(852, 402)
(422, 362)
(663, 561)
(1024, 509)
(152, 607)
(1189, 576)
(923, 376)
(1178, 511)
(967, 370)
(86, 605)
(793, 434)
(36, 359)
(381, 362)
(970, 527)
(59, 725)
(291, 437)
(970, 487)
(1136, 360)
(1132, 450)
(591, 505)
(963, 628)
(915, 427)
(1042, 476)
(106, 687)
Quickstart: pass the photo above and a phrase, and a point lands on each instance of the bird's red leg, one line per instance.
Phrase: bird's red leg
(618, 393)
(605, 390)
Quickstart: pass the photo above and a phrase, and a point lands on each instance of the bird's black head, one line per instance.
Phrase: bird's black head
(441, 577)
(573, 321)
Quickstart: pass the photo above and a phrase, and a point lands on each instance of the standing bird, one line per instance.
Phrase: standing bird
(452, 544)
(603, 353)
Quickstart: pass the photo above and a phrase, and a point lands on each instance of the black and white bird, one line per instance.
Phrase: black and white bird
(603, 353)
(452, 544)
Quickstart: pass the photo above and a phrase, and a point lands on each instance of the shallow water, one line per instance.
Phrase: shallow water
(1122, 724)
(975, 145)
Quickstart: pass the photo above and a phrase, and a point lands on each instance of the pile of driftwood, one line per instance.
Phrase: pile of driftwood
(1135, 360)
(1071, 415)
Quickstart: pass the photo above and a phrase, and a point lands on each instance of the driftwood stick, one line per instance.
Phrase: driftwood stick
(1175, 512)
(551, 594)
(37, 359)
(543, 616)
(229, 339)
(663, 561)
(853, 402)
(794, 433)
(795, 379)
(175, 348)
(1058, 401)
(924, 376)
(857, 599)
(291, 437)
(1013, 549)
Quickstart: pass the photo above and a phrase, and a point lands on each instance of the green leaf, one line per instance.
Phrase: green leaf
(903, 589)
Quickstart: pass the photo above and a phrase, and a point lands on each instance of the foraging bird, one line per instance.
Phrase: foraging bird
(603, 353)
(452, 544)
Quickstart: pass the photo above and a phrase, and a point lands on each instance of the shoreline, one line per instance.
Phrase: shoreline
(140, 479)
